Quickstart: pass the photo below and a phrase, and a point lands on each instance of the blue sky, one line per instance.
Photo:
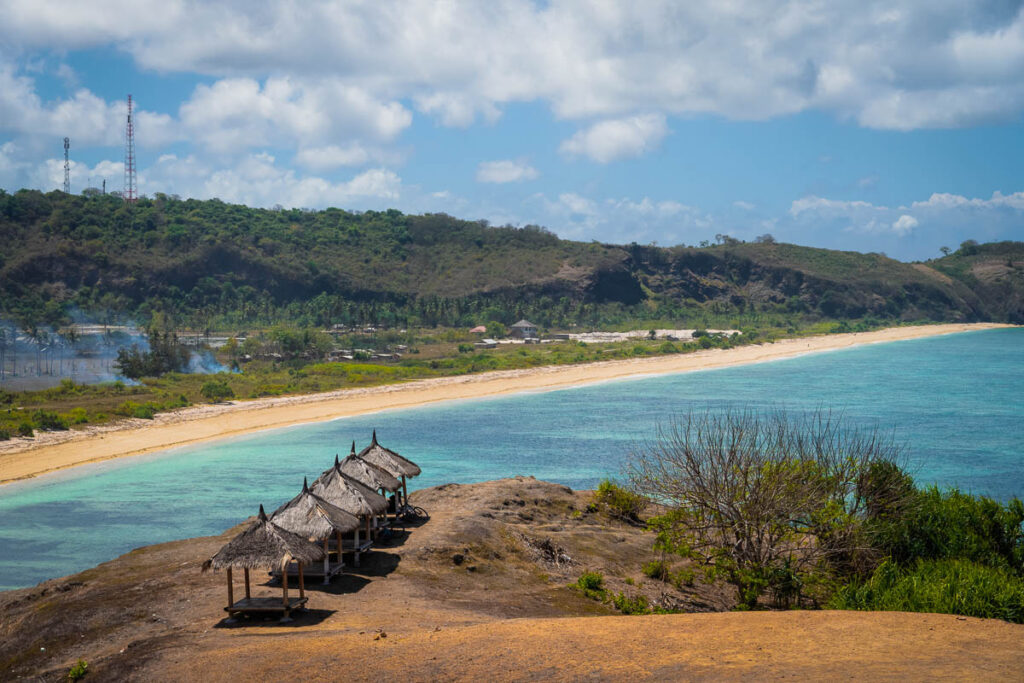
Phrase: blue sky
(875, 126)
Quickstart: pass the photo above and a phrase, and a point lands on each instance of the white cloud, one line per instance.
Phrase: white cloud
(617, 139)
(241, 113)
(257, 180)
(899, 64)
(822, 205)
(904, 224)
(505, 171)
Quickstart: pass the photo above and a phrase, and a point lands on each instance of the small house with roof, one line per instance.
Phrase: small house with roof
(523, 329)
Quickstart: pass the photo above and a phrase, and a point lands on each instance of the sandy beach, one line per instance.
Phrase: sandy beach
(52, 451)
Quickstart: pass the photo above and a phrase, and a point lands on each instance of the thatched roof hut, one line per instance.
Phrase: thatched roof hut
(264, 545)
(368, 473)
(389, 460)
(313, 517)
(348, 493)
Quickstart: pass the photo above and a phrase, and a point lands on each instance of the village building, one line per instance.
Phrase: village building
(523, 329)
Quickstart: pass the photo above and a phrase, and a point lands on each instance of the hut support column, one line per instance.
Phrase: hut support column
(405, 492)
(231, 590)
(247, 596)
(337, 539)
(355, 547)
(302, 584)
(368, 527)
(327, 563)
(284, 589)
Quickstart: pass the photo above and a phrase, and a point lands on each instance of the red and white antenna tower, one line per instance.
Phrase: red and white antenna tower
(130, 188)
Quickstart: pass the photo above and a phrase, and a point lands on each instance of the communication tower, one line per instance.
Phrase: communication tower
(67, 167)
(130, 189)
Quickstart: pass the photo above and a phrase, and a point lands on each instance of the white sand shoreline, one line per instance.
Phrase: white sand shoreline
(53, 451)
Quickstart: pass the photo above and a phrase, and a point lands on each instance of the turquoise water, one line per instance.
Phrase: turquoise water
(954, 402)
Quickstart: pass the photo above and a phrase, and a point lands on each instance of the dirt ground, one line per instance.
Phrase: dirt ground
(480, 590)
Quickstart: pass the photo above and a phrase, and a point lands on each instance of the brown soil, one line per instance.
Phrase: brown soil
(481, 589)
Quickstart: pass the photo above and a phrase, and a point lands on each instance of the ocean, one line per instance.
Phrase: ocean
(954, 403)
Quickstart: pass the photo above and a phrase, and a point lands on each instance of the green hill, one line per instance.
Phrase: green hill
(207, 263)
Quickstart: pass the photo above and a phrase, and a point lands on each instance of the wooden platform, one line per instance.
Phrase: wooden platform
(265, 606)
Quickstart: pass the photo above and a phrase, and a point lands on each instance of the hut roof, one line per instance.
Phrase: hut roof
(523, 323)
(309, 515)
(348, 493)
(389, 460)
(368, 473)
(264, 545)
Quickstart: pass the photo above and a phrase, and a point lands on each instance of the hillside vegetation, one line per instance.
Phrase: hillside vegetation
(206, 263)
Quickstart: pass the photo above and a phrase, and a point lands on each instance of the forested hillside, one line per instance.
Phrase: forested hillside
(207, 263)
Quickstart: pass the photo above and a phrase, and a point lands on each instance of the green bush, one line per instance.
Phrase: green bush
(591, 584)
(627, 605)
(79, 670)
(954, 525)
(216, 390)
(25, 428)
(620, 502)
(656, 569)
(48, 420)
(77, 416)
(5, 434)
(684, 577)
(954, 586)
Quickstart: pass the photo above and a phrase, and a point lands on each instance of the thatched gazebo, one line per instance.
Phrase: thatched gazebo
(264, 545)
(392, 462)
(353, 497)
(311, 516)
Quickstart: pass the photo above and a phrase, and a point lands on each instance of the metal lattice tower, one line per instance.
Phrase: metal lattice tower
(67, 167)
(130, 188)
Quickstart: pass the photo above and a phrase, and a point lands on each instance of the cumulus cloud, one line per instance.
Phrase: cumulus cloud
(505, 171)
(257, 180)
(622, 219)
(607, 141)
(899, 64)
(904, 224)
(240, 113)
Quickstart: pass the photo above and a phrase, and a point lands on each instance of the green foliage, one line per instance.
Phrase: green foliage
(954, 525)
(634, 605)
(206, 263)
(78, 671)
(656, 569)
(949, 586)
(619, 502)
(48, 421)
(5, 434)
(465, 348)
(217, 390)
(25, 429)
(591, 584)
(165, 355)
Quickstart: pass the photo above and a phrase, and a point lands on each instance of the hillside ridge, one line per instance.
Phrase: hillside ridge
(204, 260)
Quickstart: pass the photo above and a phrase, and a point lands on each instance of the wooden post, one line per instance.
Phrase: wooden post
(327, 563)
(337, 538)
(405, 492)
(368, 525)
(247, 583)
(284, 584)
(231, 590)
(302, 584)
(355, 547)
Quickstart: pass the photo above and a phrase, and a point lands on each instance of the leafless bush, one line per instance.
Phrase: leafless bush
(768, 500)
